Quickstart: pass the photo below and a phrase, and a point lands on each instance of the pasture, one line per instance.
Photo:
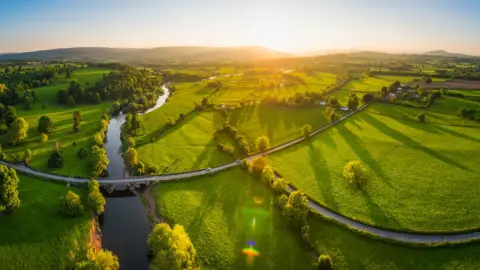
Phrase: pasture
(226, 212)
(410, 162)
(36, 236)
(62, 115)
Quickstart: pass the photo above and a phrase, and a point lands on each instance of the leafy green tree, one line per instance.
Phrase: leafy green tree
(103, 125)
(306, 130)
(268, 175)
(172, 248)
(353, 102)
(9, 200)
(71, 205)
(325, 263)
(296, 209)
(56, 159)
(257, 165)
(99, 137)
(99, 160)
(130, 157)
(17, 132)
(43, 137)
(45, 125)
(96, 201)
(105, 259)
(28, 157)
(82, 153)
(62, 96)
(263, 143)
(77, 118)
(131, 142)
(355, 173)
(279, 184)
(70, 101)
(367, 98)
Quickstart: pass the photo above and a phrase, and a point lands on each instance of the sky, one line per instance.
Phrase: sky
(294, 26)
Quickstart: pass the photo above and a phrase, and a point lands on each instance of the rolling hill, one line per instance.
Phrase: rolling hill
(159, 54)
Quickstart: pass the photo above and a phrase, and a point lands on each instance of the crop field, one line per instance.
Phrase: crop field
(187, 146)
(63, 118)
(453, 84)
(224, 213)
(410, 163)
(36, 236)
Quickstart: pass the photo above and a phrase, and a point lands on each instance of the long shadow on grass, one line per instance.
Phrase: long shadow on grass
(454, 133)
(396, 135)
(322, 174)
(357, 146)
(268, 121)
(377, 213)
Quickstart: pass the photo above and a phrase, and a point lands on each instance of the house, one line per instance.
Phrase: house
(344, 109)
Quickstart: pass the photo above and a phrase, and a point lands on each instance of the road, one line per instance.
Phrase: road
(416, 238)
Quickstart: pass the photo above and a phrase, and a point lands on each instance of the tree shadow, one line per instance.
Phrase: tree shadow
(268, 121)
(377, 213)
(322, 174)
(398, 136)
(359, 149)
(454, 133)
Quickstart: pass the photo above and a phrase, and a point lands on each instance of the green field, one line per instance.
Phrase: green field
(62, 115)
(279, 124)
(187, 146)
(411, 163)
(352, 251)
(36, 236)
(223, 212)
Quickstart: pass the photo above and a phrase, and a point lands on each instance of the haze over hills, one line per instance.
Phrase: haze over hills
(159, 54)
(445, 53)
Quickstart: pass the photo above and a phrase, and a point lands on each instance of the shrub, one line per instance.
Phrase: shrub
(282, 201)
(56, 159)
(70, 205)
(332, 117)
(280, 184)
(70, 101)
(367, 98)
(263, 143)
(296, 209)
(245, 164)
(355, 173)
(268, 175)
(28, 157)
(305, 231)
(258, 165)
(99, 138)
(3, 128)
(131, 142)
(82, 153)
(130, 158)
(306, 130)
(421, 117)
(325, 262)
(43, 138)
(140, 168)
(99, 160)
(151, 170)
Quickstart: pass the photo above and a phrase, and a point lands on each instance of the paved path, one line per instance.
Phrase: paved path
(382, 233)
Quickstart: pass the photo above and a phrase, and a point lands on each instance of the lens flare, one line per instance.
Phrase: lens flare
(250, 252)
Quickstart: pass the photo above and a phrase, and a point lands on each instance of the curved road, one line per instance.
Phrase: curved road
(416, 238)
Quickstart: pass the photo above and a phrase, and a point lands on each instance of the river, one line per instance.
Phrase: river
(125, 227)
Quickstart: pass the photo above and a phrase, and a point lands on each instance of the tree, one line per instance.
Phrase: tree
(99, 137)
(204, 102)
(131, 142)
(172, 248)
(268, 175)
(71, 205)
(296, 209)
(325, 262)
(279, 184)
(68, 73)
(46, 125)
(428, 80)
(258, 165)
(306, 130)
(56, 159)
(62, 96)
(105, 259)
(353, 103)
(130, 157)
(77, 118)
(99, 160)
(421, 117)
(263, 143)
(82, 153)
(367, 98)
(28, 157)
(9, 200)
(17, 132)
(355, 173)
(95, 199)
(43, 137)
(333, 117)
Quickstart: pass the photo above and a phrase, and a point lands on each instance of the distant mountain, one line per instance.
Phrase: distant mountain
(450, 54)
(160, 54)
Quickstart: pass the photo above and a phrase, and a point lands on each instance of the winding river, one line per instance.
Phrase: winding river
(125, 227)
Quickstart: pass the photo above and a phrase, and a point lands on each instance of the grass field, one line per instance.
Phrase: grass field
(277, 123)
(36, 236)
(352, 251)
(187, 146)
(222, 213)
(423, 174)
(63, 118)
